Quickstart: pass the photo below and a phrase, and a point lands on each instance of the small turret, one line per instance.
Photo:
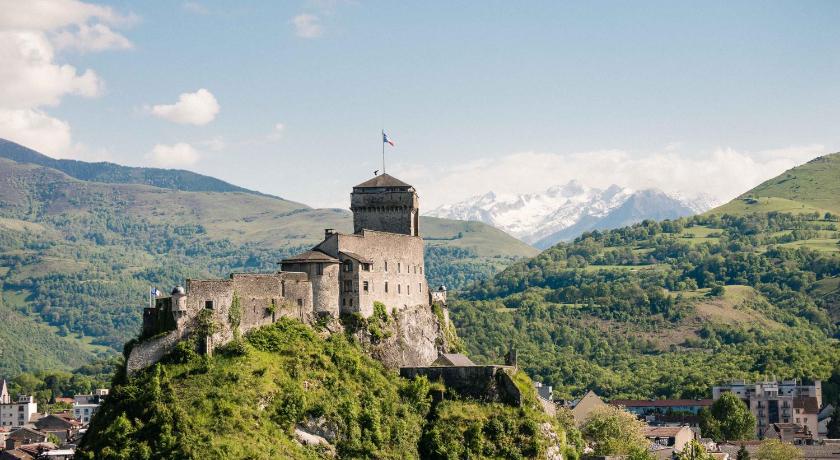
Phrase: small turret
(179, 299)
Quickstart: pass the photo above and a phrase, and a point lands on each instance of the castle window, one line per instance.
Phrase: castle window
(348, 285)
(386, 287)
(348, 266)
(365, 286)
(421, 269)
(343, 301)
(319, 269)
(408, 289)
(300, 302)
(415, 269)
(386, 266)
(282, 289)
(399, 267)
(208, 304)
(366, 267)
(419, 287)
(399, 289)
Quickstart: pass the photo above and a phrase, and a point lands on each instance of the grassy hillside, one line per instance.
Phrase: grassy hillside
(669, 309)
(116, 174)
(810, 188)
(247, 403)
(80, 256)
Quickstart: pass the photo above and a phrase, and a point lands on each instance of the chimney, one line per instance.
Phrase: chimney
(328, 232)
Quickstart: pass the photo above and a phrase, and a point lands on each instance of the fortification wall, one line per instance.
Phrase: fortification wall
(150, 351)
(488, 383)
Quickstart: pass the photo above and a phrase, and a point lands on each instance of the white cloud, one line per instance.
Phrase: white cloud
(36, 130)
(55, 14)
(178, 155)
(723, 173)
(198, 108)
(85, 38)
(29, 78)
(307, 26)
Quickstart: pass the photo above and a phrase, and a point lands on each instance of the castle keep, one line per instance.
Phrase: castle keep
(382, 261)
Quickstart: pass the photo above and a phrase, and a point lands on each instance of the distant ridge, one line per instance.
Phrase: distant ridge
(813, 187)
(110, 173)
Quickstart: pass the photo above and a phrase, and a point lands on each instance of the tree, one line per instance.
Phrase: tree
(694, 451)
(778, 450)
(834, 424)
(728, 419)
(743, 454)
(612, 431)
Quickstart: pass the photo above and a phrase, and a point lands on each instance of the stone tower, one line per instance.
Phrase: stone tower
(385, 204)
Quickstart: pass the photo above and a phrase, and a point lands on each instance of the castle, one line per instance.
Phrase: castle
(381, 261)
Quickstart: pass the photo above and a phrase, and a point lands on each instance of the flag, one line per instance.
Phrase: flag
(155, 292)
(386, 139)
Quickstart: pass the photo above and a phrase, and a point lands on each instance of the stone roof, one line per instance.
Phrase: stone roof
(453, 359)
(311, 256)
(661, 402)
(382, 180)
(357, 257)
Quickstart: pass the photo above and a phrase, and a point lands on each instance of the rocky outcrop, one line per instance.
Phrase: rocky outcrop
(414, 336)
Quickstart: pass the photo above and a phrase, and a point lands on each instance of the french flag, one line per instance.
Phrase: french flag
(386, 139)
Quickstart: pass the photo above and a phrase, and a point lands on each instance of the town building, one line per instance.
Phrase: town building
(15, 413)
(62, 425)
(582, 408)
(665, 411)
(84, 406)
(788, 401)
(674, 437)
(380, 263)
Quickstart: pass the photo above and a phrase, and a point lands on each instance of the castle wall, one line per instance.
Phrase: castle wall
(404, 273)
(385, 211)
(324, 278)
(489, 383)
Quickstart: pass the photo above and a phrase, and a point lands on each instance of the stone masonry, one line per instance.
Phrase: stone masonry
(382, 261)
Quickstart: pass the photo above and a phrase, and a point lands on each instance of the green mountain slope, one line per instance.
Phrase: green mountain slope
(668, 309)
(80, 256)
(116, 174)
(810, 188)
(247, 404)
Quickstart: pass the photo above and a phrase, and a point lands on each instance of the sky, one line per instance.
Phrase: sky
(289, 98)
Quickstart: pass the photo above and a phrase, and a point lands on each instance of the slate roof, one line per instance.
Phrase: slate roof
(357, 257)
(311, 256)
(453, 359)
(661, 402)
(663, 431)
(382, 180)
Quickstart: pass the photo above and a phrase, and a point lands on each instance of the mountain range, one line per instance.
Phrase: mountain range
(563, 212)
(82, 243)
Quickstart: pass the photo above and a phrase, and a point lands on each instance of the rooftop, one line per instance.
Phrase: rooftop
(661, 402)
(663, 431)
(382, 181)
(311, 256)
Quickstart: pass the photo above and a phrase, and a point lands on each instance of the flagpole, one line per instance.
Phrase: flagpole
(382, 140)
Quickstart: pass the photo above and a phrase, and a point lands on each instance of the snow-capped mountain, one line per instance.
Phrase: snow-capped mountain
(564, 211)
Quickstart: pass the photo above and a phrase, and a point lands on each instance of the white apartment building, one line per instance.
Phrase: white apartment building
(17, 413)
(788, 401)
(84, 406)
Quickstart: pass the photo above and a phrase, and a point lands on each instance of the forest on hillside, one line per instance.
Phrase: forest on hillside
(668, 309)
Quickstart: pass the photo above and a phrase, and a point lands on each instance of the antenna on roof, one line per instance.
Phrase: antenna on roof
(376, 173)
